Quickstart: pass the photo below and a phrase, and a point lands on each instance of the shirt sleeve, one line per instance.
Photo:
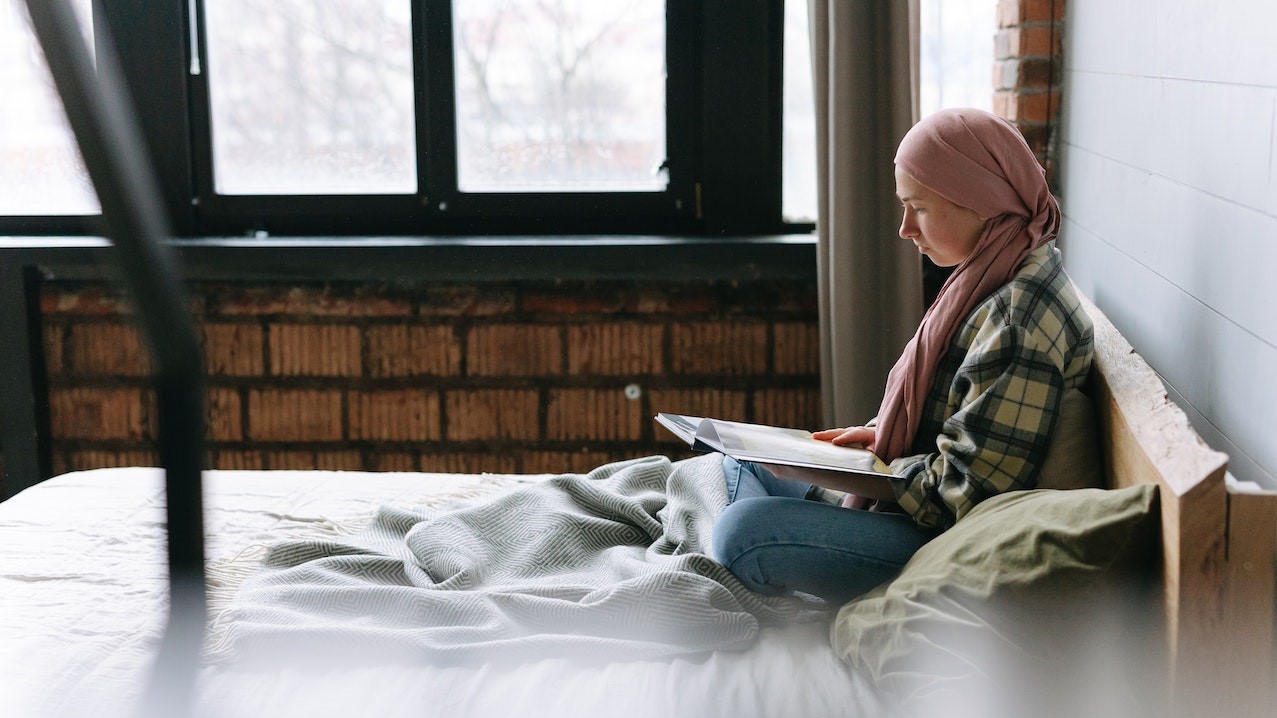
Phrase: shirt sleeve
(1007, 395)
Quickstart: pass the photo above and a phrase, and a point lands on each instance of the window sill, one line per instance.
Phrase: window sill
(442, 258)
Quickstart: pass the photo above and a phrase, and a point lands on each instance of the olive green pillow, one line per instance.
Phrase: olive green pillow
(1073, 456)
(1035, 598)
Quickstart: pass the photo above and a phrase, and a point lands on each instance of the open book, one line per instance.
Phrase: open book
(771, 445)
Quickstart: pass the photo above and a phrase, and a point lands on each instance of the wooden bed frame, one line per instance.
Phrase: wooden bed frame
(1218, 543)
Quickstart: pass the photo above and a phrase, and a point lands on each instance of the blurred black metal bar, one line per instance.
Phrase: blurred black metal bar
(101, 114)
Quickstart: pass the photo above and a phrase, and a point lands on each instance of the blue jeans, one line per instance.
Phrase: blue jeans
(776, 542)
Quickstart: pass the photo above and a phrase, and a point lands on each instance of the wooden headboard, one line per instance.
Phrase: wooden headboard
(1218, 545)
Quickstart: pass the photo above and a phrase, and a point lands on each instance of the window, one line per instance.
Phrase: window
(41, 172)
(567, 96)
(311, 97)
(799, 175)
(956, 48)
(513, 117)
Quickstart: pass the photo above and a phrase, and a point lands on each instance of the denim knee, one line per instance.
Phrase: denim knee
(736, 534)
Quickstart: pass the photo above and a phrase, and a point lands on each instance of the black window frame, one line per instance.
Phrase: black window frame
(724, 133)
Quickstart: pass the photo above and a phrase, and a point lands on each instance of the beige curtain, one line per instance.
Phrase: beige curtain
(864, 55)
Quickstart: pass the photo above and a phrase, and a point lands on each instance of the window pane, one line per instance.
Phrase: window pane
(957, 54)
(798, 153)
(560, 96)
(311, 97)
(41, 172)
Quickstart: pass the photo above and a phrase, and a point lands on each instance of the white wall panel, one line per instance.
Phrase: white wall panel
(1218, 251)
(1113, 115)
(1228, 41)
(1223, 371)
(1216, 137)
(1119, 39)
(1169, 189)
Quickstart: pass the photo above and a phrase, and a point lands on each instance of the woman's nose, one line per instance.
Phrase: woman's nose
(908, 228)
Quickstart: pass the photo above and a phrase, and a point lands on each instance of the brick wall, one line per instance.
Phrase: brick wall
(520, 377)
(1027, 70)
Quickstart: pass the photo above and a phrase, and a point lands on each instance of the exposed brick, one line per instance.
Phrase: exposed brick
(735, 348)
(469, 463)
(314, 460)
(294, 415)
(308, 421)
(380, 461)
(106, 349)
(1018, 12)
(54, 344)
(593, 415)
(339, 461)
(224, 415)
(715, 403)
(796, 408)
(1038, 138)
(1032, 41)
(615, 349)
(514, 350)
(103, 459)
(315, 350)
(236, 460)
(566, 462)
(400, 350)
(396, 415)
(151, 414)
(1026, 108)
(593, 299)
(682, 302)
(466, 301)
(92, 413)
(796, 348)
(1026, 73)
(83, 301)
(233, 349)
(485, 414)
(782, 297)
(309, 301)
(96, 300)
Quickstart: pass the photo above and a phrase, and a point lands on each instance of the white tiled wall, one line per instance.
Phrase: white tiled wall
(1169, 189)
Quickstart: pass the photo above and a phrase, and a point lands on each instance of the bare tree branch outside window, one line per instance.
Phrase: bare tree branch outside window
(311, 97)
(560, 95)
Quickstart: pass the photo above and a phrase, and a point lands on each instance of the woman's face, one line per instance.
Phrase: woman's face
(947, 233)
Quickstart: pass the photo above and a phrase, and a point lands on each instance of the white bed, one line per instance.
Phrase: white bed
(83, 595)
(82, 615)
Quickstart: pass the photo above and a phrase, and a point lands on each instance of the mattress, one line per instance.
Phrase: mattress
(83, 602)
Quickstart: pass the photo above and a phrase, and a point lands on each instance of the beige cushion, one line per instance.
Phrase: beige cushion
(1073, 459)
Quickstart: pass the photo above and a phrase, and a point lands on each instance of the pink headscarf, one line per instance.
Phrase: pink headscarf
(979, 161)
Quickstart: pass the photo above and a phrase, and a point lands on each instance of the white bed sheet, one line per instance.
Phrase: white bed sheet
(83, 601)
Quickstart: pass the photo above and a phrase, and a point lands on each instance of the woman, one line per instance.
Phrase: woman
(970, 405)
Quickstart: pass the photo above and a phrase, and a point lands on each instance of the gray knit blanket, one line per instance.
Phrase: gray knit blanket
(608, 565)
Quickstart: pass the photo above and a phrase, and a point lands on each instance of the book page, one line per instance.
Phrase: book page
(754, 442)
(684, 427)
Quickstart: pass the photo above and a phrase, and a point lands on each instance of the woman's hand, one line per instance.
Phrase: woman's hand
(859, 436)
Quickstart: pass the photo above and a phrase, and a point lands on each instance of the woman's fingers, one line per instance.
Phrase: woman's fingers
(855, 435)
(827, 434)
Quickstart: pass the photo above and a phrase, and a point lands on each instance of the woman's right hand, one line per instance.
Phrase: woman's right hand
(859, 436)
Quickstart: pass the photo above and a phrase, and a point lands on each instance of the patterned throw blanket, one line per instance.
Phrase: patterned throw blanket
(608, 565)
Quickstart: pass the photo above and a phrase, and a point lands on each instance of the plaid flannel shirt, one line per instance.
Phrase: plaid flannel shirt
(988, 418)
